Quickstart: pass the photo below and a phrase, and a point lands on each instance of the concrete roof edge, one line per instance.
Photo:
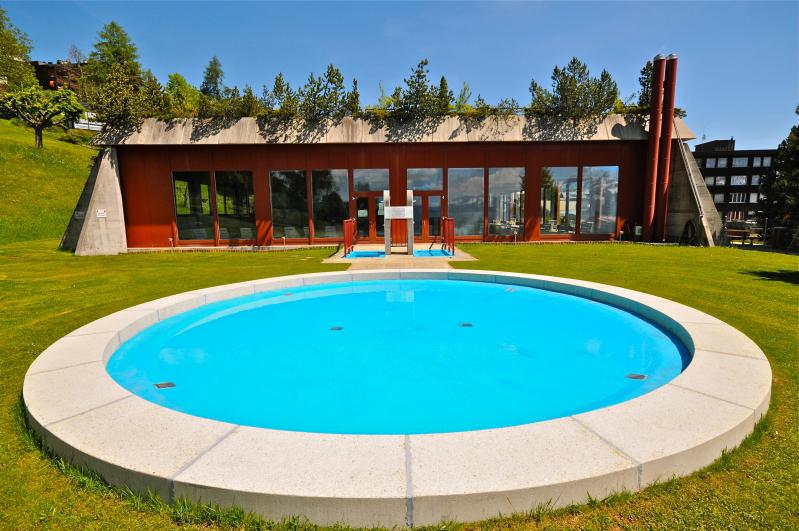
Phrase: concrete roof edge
(194, 131)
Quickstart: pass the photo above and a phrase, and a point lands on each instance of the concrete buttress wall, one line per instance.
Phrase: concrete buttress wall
(690, 201)
(97, 226)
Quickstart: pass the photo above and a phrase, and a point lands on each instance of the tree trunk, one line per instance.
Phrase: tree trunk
(38, 132)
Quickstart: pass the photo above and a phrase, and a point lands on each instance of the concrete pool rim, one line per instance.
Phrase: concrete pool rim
(398, 480)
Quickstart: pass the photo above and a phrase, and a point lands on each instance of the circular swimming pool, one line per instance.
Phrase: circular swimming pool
(397, 397)
(397, 357)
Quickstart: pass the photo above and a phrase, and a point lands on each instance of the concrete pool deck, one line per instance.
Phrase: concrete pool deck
(398, 259)
(398, 480)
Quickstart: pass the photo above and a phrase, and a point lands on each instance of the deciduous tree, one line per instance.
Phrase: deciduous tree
(184, 99)
(41, 109)
(153, 100)
(116, 102)
(16, 71)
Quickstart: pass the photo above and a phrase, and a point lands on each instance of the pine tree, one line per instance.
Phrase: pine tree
(417, 100)
(576, 99)
(780, 186)
(114, 48)
(645, 81)
(213, 77)
(444, 98)
(353, 103)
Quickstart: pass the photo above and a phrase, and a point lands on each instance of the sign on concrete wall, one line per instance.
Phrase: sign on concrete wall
(399, 212)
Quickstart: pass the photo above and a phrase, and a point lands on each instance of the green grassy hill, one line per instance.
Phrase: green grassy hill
(38, 187)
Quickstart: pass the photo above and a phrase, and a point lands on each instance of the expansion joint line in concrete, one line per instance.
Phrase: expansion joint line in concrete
(408, 483)
(88, 410)
(710, 396)
(638, 466)
(196, 458)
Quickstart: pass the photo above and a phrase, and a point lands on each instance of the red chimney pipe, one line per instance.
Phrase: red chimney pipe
(655, 117)
(664, 166)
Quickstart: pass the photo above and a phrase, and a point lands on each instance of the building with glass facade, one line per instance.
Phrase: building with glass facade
(246, 185)
(733, 176)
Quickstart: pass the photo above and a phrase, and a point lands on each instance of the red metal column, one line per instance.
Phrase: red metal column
(655, 118)
(664, 165)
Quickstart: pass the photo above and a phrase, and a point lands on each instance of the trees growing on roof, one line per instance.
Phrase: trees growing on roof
(576, 100)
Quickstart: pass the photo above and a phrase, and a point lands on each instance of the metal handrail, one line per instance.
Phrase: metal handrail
(350, 235)
(687, 163)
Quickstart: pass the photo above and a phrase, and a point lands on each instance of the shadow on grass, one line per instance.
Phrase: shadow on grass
(783, 275)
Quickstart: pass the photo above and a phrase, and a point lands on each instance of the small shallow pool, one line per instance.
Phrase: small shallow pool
(397, 357)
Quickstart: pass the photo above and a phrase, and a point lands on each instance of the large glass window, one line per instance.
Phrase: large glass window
(235, 205)
(193, 214)
(738, 197)
(598, 199)
(425, 179)
(766, 161)
(465, 200)
(711, 163)
(740, 162)
(289, 204)
(755, 180)
(330, 202)
(558, 200)
(506, 201)
(738, 180)
(370, 180)
(722, 163)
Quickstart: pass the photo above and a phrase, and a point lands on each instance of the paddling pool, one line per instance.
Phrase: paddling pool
(397, 357)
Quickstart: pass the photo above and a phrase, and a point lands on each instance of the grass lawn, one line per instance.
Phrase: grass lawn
(38, 187)
(45, 294)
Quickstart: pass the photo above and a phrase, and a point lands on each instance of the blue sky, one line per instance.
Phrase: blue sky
(737, 73)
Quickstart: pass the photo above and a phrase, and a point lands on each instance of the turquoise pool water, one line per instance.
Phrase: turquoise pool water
(366, 254)
(397, 357)
(424, 253)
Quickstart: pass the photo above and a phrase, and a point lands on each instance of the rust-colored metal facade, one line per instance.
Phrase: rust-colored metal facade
(147, 187)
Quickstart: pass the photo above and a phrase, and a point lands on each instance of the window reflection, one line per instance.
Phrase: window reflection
(465, 200)
(598, 199)
(558, 200)
(330, 202)
(434, 215)
(425, 179)
(193, 205)
(417, 215)
(289, 204)
(368, 180)
(235, 205)
(506, 201)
